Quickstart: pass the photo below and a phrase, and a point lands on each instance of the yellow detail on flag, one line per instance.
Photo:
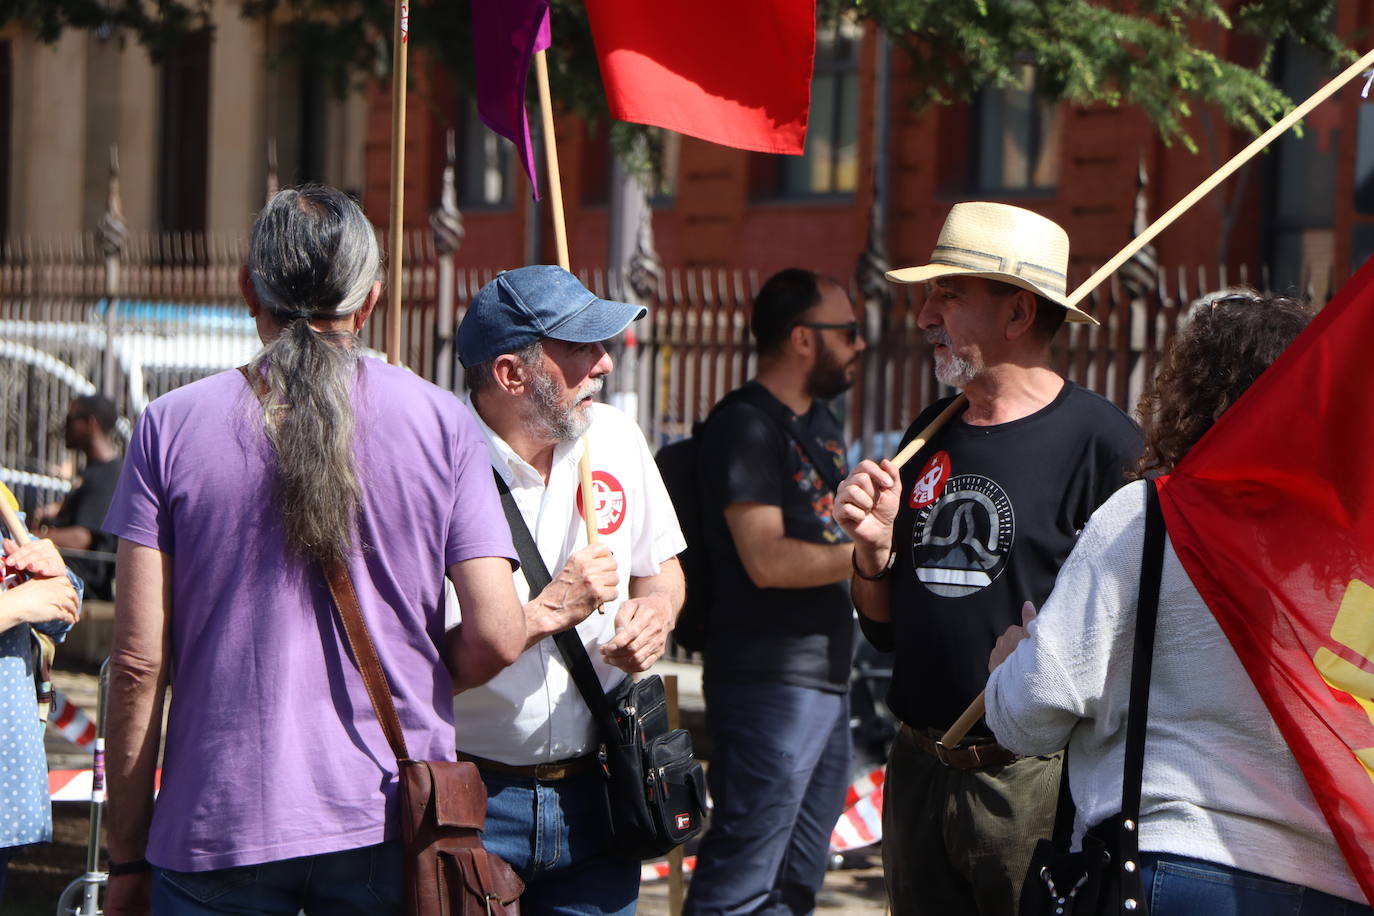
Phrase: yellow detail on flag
(1353, 629)
(1366, 759)
(9, 497)
(1354, 626)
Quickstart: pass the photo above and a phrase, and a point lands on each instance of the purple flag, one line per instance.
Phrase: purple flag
(506, 34)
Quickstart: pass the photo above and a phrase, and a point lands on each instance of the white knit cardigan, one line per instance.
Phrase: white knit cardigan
(1220, 783)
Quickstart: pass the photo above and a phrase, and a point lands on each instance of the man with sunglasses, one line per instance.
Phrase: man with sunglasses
(780, 635)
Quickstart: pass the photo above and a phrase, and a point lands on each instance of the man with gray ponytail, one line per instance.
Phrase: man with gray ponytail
(279, 788)
(532, 345)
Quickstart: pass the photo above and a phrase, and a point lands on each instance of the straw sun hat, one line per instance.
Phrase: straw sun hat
(1000, 242)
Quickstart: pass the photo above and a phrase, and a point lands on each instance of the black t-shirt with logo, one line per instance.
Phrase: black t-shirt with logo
(988, 515)
(798, 636)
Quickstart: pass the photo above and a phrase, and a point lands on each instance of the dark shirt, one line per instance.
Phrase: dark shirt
(85, 507)
(988, 515)
(797, 636)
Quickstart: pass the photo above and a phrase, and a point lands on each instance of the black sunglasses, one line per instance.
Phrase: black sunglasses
(849, 327)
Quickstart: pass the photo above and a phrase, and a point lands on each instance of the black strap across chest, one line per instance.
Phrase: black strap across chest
(1142, 662)
(569, 644)
(758, 397)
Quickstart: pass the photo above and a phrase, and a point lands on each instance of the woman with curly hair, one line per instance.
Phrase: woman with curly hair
(1228, 824)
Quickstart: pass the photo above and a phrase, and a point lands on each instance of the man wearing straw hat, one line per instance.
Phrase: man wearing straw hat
(949, 549)
(532, 347)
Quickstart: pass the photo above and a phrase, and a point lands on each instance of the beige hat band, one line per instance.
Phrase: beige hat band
(982, 261)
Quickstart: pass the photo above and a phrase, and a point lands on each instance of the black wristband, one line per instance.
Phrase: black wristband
(136, 867)
(887, 567)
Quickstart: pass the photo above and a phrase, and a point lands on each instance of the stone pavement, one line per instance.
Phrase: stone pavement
(857, 889)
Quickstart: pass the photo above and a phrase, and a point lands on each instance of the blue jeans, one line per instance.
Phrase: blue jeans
(557, 837)
(778, 776)
(1180, 886)
(355, 881)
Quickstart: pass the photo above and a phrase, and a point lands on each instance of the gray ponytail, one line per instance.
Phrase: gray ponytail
(313, 256)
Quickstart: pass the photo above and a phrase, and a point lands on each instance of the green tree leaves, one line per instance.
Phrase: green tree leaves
(1157, 54)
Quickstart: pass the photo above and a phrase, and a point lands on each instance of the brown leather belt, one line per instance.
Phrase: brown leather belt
(963, 757)
(544, 772)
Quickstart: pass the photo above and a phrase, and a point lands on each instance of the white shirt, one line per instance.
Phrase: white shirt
(1219, 783)
(531, 712)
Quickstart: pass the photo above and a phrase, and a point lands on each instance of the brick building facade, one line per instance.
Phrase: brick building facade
(1298, 211)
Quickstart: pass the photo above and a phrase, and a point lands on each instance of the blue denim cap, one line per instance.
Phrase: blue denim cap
(530, 303)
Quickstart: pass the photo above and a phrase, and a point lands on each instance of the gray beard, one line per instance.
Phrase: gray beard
(952, 370)
(554, 420)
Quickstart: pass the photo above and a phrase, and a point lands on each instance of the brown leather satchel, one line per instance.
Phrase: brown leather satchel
(443, 803)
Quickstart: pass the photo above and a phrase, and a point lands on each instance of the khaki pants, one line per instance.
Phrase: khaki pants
(958, 842)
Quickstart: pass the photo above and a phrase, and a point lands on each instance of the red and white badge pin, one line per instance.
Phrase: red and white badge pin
(609, 502)
(931, 483)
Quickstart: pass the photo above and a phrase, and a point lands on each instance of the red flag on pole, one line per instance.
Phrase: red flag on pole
(738, 74)
(1272, 515)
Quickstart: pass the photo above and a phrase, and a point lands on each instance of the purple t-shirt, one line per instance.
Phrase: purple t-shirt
(273, 750)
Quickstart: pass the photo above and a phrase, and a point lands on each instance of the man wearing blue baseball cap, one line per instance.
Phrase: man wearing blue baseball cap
(532, 348)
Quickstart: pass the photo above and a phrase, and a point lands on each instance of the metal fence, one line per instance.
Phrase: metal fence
(166, 310)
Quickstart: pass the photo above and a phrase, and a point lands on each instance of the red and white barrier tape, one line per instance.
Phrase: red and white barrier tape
(657, 871)
(865, 785)
(70, 721)
(861, 824)
(76, 785)
(69, 785)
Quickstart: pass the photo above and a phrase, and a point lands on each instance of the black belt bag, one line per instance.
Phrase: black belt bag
(655, 788)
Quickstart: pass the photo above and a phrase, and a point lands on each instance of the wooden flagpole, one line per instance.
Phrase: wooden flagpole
(1220, 175)
(977, 708)
(560, 227)
(915, 445)
(560, 239)
(18, 533)
(400, 42)
(970, 717)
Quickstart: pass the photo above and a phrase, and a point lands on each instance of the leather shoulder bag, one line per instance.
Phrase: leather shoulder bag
(443, 803)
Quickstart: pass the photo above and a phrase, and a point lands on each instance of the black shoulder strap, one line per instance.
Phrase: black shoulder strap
(531, 563)
(1065, 812)
(1147, 612)
(1142, 660)
(824, 463)
(569, 645)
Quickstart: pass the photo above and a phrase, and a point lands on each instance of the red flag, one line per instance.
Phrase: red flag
(734, 73)
(1272, 515)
